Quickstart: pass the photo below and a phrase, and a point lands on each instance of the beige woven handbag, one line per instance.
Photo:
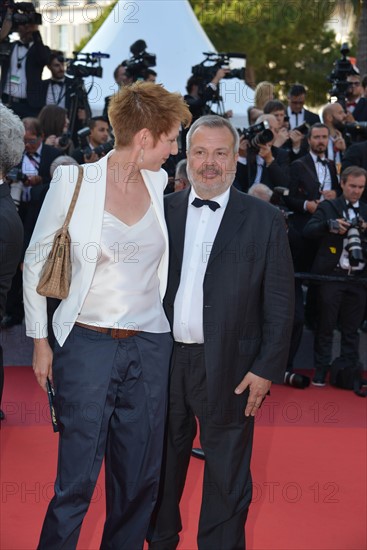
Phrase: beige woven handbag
(55, 276)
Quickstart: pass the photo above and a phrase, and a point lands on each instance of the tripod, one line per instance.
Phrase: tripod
(78, 100)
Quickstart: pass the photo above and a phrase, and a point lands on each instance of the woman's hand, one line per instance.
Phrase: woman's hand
(42, 361)
(52, 140)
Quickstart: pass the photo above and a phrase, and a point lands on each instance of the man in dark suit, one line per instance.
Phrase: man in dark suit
(264, 164)
(11, 229)
(21, 73)
(230, 303)
(296, 111)
(356, 103)
(313, 179)
(66, 92)
(342, 301)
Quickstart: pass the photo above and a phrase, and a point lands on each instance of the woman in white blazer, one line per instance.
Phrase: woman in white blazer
(109, 366)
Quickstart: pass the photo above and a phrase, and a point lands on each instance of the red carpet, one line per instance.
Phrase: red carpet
(309, 471)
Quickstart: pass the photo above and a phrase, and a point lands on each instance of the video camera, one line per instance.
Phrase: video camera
(23, 13)
(140, 61)
(338, 76)
(208, 68)
(86, 149)
(258, 134)
(82, 70)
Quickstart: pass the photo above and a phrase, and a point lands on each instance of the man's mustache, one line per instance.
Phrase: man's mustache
(210, 167)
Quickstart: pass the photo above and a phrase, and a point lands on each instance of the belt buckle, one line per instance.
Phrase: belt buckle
(115, 333)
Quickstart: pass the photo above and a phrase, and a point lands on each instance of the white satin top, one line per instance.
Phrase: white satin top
(125, 288)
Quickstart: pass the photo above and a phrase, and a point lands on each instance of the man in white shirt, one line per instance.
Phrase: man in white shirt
(230, 305)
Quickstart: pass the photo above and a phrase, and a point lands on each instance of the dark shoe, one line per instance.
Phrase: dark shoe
(319, 378)
(8, 321)
(198, 453)
(2, 415)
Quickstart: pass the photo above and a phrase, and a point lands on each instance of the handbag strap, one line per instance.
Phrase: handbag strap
(74, 198)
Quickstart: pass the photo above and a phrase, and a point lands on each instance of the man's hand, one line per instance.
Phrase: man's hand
(343, 226)
(42, 361)
(243, 147)
(31, 181)
(281, 137)
(296, 138)
(311, 206)
(258, 387)
(329, 195)
(339, 142)
(266, 153)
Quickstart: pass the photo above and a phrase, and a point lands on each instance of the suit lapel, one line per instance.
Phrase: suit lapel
(176, 213)
(233, 218)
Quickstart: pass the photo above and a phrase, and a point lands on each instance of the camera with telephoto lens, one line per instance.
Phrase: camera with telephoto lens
(296, 380)
(208, 68)
(64, 139)
(258, 134)
(140, 61)
(87, 150)
(356, 128)
(356, 246)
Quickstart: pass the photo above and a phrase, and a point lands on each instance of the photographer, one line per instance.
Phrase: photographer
(334, 117)
(97, 135)
(356, 103)
(200, 95)
(22, 68)
(263, 163)
(55, 128)
(340, 228)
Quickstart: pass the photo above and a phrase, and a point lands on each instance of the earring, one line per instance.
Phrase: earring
(141, 155)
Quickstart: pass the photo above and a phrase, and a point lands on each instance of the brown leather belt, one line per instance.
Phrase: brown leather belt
(113, 332)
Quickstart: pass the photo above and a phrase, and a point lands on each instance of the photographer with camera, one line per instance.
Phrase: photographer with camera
(340, 229)
(260, 161)
(22, 61)
(296, 112)
(93, 141)
(200, 95)
(55, 128)
(295, 140)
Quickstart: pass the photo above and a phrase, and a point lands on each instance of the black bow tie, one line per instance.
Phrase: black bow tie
(57, 82)
(351, 206)
(323, 161)
(198, 203)
(26, 46)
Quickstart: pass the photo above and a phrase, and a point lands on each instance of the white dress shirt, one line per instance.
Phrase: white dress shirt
(202, 225)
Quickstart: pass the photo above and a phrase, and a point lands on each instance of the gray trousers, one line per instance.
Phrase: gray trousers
(111, 398)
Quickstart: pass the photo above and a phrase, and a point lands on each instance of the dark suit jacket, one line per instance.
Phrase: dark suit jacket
(355, 155)
(310, 117)
(11, 242)
(277, 174)
(304, 185)
(330, 245)
(37, 58)
(360, 111)
(248, 294)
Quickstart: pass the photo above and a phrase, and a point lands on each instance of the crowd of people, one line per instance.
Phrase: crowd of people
(242, 214)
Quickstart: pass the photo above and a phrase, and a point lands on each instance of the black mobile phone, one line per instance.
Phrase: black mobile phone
(51, 395)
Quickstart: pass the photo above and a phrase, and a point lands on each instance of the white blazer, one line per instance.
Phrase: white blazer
(85, 232)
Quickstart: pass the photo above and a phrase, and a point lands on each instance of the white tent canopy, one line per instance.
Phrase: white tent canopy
(173, 33)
